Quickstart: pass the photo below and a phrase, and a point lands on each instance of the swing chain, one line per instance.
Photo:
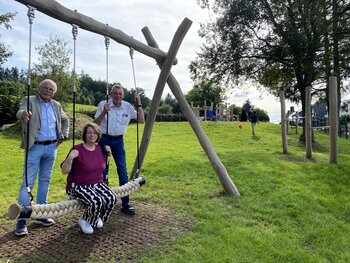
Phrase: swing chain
(31, 16)
(107, 42)
(131, 52)
(74, 31)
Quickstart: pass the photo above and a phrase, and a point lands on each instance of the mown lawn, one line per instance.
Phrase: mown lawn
(291, 209)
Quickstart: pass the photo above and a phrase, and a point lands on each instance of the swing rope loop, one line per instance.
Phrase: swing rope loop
(75, 34)
(107, 42)
(131, 53)
(31, 16)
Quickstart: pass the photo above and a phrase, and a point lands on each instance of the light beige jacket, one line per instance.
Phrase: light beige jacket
(62, 120)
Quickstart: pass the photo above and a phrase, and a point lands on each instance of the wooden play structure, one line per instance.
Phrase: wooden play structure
(218, 113)
(165, 61)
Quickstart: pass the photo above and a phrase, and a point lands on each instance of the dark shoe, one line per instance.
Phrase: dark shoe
(21, 228)
(44, 221)
(128, 209)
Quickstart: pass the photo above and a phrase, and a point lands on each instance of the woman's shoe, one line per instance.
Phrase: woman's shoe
(99, 223)
(85, 226)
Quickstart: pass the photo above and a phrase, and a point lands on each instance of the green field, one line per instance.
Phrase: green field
(291, 209)
(80, 107)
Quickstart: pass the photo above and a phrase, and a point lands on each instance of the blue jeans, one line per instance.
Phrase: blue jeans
(41, 159)
(118, 152)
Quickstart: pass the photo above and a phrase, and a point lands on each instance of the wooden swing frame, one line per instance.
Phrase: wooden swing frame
(165, 62)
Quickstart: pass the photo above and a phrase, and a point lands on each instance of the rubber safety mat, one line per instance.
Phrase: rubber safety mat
(123, 239)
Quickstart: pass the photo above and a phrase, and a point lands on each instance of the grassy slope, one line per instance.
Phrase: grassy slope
(290, 210)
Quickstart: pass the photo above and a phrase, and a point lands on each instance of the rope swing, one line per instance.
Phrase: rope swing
(31, 17)
(107, 42)
(75, 34)
(137, 172)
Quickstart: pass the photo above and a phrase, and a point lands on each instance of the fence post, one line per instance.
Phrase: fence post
(308, 126)
(333, 119)
(283, 122)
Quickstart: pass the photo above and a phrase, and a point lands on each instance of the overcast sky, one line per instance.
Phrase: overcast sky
(162, 18)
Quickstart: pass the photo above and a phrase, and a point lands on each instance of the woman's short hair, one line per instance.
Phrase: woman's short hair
(96, 128)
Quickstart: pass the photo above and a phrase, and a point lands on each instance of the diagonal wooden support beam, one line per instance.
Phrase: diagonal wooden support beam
(220, 169)
(58, 11)
(157, 96)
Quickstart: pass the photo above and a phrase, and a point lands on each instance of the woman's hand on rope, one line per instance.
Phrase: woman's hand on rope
(26, 115)
(73, 154)
(108, 150)
(66, 166)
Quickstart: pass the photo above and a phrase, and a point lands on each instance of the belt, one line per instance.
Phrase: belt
(118, 137)
(45, 142)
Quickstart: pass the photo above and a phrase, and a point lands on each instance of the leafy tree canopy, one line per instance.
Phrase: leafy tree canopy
(5, 22)
(280, 44)
(206, 90)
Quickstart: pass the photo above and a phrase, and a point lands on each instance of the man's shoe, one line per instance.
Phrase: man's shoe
(128, 209)
(85, 226)
(99, 223)
(44, 221)
(21, 228)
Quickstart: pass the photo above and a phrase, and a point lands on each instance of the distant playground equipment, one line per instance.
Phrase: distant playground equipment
(210, 114)
(219, 113)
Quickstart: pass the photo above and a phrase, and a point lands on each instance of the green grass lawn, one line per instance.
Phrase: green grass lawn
(291, 209)
(80, 107)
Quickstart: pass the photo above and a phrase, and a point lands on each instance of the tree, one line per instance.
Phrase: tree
(279, 44)
(12, 90)
(54, 63)
(5, 21)
(247, 106)
(262, 115)
(205, 90)
(172, 102)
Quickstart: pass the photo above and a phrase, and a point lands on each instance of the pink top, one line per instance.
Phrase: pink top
(87, 168)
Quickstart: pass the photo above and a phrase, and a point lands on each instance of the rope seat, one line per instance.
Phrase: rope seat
(64, 207)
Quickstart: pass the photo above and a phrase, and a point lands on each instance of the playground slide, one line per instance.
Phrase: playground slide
(211, 115)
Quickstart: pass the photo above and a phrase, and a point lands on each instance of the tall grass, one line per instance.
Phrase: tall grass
(291, 209)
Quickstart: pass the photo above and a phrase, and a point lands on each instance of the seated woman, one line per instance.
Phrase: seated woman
(84, 165)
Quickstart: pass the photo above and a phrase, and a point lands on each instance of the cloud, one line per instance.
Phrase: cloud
(162, 18)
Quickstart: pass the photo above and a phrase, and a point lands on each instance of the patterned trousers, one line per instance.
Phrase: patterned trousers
(99, 201)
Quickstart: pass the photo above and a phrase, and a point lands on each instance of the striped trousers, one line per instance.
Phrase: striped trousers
(99, 201)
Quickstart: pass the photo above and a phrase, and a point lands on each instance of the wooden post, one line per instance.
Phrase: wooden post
(205, 110)
(162, 80)
(287, 121)
(333, 120)
(219, 168)
(297, 123)
(308, 127)
(283, 122)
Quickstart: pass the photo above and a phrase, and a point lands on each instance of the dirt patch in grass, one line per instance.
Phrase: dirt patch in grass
(123, 239)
